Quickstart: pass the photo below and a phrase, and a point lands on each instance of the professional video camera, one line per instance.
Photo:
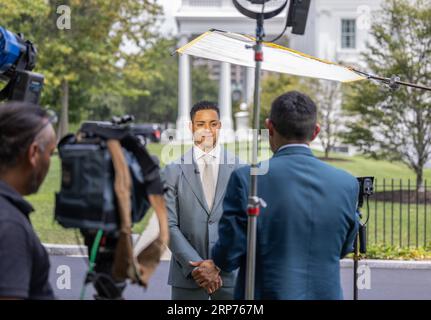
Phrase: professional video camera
(366, 189)
(87, 197)
(107, 179)
(17, 60)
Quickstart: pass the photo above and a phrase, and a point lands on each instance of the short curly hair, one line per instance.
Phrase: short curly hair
(20, 123)
(294, 115)
(204, 105)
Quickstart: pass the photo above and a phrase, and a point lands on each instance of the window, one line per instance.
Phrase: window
(348, 33)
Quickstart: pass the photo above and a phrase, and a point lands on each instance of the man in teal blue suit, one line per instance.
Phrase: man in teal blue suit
(309, 223)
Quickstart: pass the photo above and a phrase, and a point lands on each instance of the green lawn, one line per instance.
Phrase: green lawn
(50, 232)
(361, 166)
(357, 165)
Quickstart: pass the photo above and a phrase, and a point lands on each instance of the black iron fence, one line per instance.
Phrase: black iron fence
(397, 214)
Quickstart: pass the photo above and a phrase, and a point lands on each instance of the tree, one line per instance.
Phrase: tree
(396, 125)
(90, 53)
(274, 85)
(327, 96)
(160, 101)
(84, 65)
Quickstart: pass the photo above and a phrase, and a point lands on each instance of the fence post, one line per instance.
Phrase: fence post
(392, 212)
(375, 214)
(401, 212)
(417, 216)
(384, 211)
(408, 213)
(425, 215)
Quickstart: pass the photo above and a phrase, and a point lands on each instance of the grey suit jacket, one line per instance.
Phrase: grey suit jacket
(193, 227)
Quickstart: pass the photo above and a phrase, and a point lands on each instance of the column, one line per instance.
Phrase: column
(225, 102)
(249, 86)
(184, 94)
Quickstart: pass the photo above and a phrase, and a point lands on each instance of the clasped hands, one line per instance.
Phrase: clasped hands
(207, 275)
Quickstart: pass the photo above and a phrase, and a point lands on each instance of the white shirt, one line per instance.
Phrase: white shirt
(198, 154)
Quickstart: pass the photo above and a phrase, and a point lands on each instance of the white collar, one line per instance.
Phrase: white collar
(303, 145)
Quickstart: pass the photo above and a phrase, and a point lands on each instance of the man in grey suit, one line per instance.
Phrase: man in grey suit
(195, 187)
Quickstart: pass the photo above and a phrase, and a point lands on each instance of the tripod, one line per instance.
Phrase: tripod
(366, 189)
(101, 263)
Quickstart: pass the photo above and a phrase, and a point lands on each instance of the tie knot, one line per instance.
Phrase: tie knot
(208, 159)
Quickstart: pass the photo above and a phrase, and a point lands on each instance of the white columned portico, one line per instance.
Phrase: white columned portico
(225, 101)
(195, 17)
(184, 94)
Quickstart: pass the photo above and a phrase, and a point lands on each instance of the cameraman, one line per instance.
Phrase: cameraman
(27, 141)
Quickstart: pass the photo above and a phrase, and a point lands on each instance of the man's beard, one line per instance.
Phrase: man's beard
(34, 183)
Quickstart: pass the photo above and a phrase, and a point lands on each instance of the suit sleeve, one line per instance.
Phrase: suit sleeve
(354, 224)
(231, 247)
(180, 247)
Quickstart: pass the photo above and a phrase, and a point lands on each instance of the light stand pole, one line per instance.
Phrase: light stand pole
(356, 258)
(253, 207)
(254, 202)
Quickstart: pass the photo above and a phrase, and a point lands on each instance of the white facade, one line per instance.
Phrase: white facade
(337, 30)
(323, 35)
(196, 17)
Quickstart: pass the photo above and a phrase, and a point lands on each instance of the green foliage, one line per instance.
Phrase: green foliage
(90, 56)
(326, 95)
(203, 88)
(90, 60)
(274, 85)
(395, 125)
(396, 253)
(160, 101)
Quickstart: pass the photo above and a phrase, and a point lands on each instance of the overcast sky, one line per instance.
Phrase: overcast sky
(168, 26)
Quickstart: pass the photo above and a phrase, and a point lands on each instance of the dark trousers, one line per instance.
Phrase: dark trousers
(224, 293)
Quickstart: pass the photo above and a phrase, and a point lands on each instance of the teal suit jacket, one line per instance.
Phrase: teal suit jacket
(309, 224)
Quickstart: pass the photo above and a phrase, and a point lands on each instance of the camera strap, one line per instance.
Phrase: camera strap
(126, 265)
(123, 259)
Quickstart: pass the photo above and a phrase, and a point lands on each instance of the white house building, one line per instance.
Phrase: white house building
(337, 30)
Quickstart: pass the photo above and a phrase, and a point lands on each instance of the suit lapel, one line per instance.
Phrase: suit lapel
(190, 170)
(225, 170)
